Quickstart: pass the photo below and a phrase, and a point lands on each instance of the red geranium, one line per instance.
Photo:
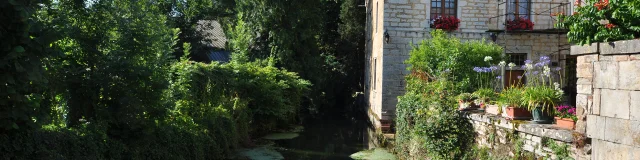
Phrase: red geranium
(449, 23)
(519, 23)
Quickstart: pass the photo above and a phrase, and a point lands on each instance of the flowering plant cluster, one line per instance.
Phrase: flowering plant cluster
(486, 75)
(541, 90)
(519, 23)
(602, 21)
(449, 23)
(564, 111)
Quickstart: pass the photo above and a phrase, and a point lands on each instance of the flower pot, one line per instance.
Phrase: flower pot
(517, 113)
(566, 123)
(540, 117)
(492, 109)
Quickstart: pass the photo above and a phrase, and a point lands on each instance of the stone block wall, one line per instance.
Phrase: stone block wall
(608, 98)
(500, 136)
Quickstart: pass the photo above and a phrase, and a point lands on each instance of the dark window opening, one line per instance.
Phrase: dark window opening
(519, 8)
(443, 8)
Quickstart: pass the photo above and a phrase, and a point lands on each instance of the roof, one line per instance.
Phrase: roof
(212, 33)
(220, 56)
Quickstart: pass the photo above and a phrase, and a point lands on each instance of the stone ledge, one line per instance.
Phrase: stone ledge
(592, 48)
(541, 130)
(620, 47)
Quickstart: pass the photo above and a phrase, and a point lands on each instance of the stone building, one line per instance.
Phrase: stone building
(394, 25)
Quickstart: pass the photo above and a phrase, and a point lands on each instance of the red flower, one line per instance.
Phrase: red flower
(610, 26)
(575, 13)
(602, 4)
(578, 2)
(449, 23)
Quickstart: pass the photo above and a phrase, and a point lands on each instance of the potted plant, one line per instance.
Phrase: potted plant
(448, 23)
(466, 101)
(541, 93)
(566, 117)
(484, 97)
(511, 98)
(519, 23)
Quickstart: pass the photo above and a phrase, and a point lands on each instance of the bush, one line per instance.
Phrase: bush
(602, 21)
(443, 53)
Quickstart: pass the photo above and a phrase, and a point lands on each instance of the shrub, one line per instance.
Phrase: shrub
(602, 21)
(443, 53)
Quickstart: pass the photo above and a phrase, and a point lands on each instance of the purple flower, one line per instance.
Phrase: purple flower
(535, 72)
(499, 77)
(528, 61)
(539, 64)
(519, 77)
(524, 67)
(477, 69)
(544, 58)
(493, 68)
(558, 68)
(572, 111)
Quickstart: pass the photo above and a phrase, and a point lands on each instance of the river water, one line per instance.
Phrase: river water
(329, 138)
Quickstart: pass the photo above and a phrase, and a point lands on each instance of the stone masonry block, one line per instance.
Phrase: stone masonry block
(629, 75)
(618, 131)
(634, 57)
(595, 126)
(581, 100)
(603, 150)
(634, 106)
(595, 107)
(615, 103)
(584, 89)
(585, 81)
(587, 58)
(619, 58)
(605, 74)
(620, 47)
(584, 49)
(584, 70)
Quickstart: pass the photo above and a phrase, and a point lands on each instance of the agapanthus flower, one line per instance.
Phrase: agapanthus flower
(535, 72)
(488, 58)
(493, 68)
(502, 63)
(539, 64)
(511, 65)
(477, 69)
(499, 77)
(519, 77)
(528, 61)
(546, 71)
(528, 66)
(558, 68)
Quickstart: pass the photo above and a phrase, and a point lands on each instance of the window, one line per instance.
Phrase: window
(518, 8)
(375, 22)
(443, 8)
(517, 58)
(375, 72)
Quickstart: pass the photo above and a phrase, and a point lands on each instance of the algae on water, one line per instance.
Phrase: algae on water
(281, 136)
(375, 154)
(261, 153)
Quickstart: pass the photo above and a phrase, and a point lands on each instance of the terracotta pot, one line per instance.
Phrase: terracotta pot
(492, 109)
(518, 113)
(566, 123)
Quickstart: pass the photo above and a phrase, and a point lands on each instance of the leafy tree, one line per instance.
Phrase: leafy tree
(25, 42)
(116, 56)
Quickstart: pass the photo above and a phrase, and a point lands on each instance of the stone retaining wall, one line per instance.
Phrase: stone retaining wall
(608, 98)
(499, 133)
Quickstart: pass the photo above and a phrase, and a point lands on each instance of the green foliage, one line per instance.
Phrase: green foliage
(271, 94)
(466, 97)
(25, 42)
(441, 68)
(511, 97)
(443, 53)
(561, 151)
(486, 95)
(540, 96)
(615, 20)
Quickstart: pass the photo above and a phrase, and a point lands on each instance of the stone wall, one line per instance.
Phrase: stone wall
(500, 134)
(608, 98)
